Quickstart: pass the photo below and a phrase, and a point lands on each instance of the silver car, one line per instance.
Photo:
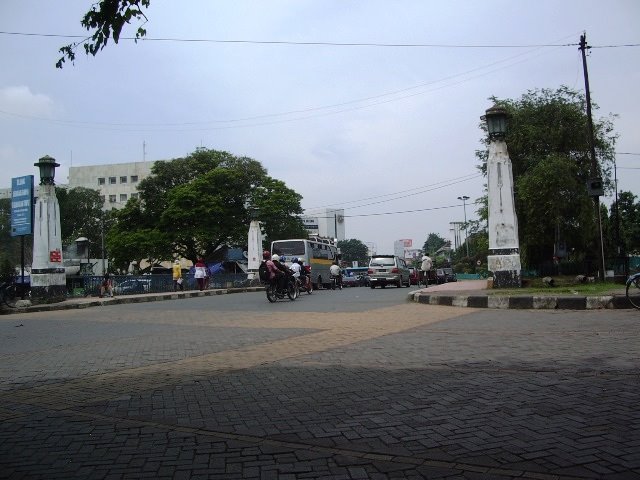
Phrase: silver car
(388, 270)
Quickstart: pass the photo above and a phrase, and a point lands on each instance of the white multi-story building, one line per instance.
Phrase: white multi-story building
(116, 182)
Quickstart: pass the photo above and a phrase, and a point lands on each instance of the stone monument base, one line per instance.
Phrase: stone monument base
(506, 270)
(48, 287)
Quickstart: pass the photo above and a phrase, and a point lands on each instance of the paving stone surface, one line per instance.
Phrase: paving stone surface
(413, 391)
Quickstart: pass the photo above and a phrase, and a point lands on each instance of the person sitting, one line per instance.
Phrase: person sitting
(305, 277)
(106, 286)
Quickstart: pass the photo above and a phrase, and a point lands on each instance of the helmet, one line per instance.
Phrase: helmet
(294, 259)
(266, 254)
(276, 258)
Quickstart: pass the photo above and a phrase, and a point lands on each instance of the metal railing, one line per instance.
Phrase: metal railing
(89, 285)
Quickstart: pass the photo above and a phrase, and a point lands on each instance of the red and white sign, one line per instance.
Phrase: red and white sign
(55, 256)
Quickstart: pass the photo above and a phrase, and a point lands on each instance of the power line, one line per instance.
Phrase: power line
(319, 43)
(290, 42)
(397, 212)
(423, 189)
(351, 105)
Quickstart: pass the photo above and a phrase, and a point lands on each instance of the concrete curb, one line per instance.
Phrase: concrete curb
(79, 303)
(522, 302)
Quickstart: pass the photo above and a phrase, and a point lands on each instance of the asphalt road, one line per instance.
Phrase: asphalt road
(356, 383)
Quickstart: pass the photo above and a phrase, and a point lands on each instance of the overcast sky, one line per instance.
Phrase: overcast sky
(374, 129)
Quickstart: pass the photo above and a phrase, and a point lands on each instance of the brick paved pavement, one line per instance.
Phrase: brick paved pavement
(413, 391)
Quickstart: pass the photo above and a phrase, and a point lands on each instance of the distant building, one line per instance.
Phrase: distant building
(328, 223)
(116, 182)
(404, 249)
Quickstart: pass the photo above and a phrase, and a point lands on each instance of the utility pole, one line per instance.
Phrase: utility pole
(595, 171)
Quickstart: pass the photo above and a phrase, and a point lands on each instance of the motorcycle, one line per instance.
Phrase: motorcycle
(274, 293)
(306, 287)
(336, 282)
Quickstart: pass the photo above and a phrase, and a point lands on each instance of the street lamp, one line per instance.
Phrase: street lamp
(464, 199)
(47, 166)
(496, 118)
(81, 244)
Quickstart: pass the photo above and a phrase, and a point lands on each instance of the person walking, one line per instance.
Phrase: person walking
(177, 276)
(200, 273)
(425, 269)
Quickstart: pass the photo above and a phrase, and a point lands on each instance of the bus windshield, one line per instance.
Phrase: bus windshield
(289, 247)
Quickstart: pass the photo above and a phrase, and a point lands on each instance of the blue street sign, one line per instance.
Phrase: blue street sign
(22, 206)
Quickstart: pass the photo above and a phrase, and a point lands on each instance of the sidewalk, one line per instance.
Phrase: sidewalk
(474, 293)
(86, 302)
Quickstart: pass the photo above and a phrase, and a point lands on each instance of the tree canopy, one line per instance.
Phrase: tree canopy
(354, 250)
(103, 21)
(190, 207)
(433, 243)
(548, 144)
(81, 216)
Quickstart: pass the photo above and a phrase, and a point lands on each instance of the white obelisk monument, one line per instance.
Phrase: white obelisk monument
(48, 281)
(504, 246)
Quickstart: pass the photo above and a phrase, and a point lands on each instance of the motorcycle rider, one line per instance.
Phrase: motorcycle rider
(286, 272)
(335, 271)
(304, 278)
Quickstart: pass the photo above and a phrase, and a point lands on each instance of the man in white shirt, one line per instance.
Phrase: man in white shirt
(426, 269)
(334, 270)
(295, 268)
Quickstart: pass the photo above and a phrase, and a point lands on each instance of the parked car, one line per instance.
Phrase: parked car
(450, 275)
(414, 275)
(444, 275)
(135, 285)
(349, 279)
(388, 270)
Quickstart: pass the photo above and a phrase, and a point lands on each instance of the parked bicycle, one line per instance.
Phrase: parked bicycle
(10, 293)
(633, 290)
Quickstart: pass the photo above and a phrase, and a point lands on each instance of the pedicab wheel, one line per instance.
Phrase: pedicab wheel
(633, 292)
(10, 295)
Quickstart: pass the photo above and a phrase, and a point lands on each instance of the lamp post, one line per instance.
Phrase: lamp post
(81, 244)
(504, 248)
(464, 199)
(48, 281)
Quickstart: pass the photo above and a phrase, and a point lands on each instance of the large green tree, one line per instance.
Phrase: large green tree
(354, 250)
(548, 145)
(626, 218)
(81, 216)
(433, 243)
(192, 206)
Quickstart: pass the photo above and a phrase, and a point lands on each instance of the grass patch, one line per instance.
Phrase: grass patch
(563, 286)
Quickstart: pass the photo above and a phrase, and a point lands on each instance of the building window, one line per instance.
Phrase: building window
(123, 197)
(134, 195)
(102, 198)
(123, 179)
(112, 180)
(134, 178)
(101, 181)
(112, 199)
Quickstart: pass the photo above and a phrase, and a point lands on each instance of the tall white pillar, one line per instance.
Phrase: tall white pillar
(504, 246)
(254, 248)
(48, 281)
